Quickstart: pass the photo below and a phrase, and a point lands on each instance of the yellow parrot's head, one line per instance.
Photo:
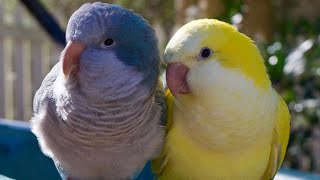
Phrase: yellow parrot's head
(208, 55)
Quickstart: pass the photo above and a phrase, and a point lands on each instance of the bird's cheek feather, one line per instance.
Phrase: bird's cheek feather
(176, 78)
(71, 56)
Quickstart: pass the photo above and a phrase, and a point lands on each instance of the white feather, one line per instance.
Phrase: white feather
(226, 107)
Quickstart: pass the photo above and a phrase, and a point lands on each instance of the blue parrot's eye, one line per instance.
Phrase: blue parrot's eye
(205, 53)
(108, 42)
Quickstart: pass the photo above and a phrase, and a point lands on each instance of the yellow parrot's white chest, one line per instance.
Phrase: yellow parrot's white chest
(229, 112)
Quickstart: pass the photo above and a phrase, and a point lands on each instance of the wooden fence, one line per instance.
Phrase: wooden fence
(26, 56)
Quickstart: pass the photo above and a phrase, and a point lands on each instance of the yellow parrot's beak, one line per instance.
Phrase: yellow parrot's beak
(176, 74)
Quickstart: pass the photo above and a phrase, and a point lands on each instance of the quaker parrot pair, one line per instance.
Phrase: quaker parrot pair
(101, 111)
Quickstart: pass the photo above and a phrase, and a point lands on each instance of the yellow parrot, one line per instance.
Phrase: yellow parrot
(225, 121)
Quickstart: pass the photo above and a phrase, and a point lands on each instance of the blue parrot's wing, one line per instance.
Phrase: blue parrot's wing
(20, 154)
(160, 100)
(147, 173)
(45, 90)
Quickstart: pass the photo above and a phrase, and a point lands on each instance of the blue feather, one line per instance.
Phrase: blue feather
(136, 43)
(146, 173)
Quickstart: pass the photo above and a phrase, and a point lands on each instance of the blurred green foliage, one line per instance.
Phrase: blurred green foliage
(296, 75)
(232, 8)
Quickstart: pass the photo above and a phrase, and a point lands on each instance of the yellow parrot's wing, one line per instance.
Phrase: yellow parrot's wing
(159, 163)
(279, 141)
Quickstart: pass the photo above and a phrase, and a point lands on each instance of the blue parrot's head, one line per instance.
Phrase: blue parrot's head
(109, 40)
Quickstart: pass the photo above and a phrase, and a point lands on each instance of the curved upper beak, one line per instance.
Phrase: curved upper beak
(71, 56)
(176, 74)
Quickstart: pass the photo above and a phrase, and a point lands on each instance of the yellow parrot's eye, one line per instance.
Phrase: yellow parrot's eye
(205, 53)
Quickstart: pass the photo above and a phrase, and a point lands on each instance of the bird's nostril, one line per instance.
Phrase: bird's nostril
(168, 56)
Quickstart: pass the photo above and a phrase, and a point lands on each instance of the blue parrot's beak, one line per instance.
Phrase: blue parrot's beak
(70, 56)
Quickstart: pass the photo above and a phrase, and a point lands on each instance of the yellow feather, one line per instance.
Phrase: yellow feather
(280, 140)
(185, 159)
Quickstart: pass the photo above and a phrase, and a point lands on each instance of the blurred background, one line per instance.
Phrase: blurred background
(286, 32)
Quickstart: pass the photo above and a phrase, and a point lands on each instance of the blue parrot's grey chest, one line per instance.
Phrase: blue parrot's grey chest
(99, 139)
(101, 120)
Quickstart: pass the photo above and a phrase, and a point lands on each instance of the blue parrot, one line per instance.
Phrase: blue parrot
(100, 112)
